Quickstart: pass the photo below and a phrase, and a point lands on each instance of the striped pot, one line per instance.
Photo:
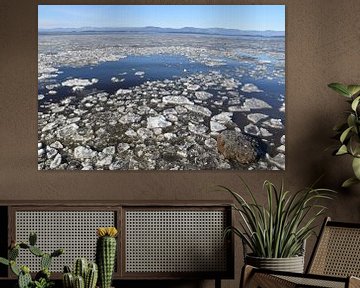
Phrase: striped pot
(291, 264)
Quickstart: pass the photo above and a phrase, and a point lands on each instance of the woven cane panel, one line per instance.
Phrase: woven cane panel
(175, 241)
(306, 282)
(74, 231)
(339, 252)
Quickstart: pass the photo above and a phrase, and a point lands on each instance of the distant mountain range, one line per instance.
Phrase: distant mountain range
(152, 29)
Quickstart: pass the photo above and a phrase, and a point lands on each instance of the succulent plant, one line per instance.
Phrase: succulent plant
(85, 275)
(42, 278)
(106, 254)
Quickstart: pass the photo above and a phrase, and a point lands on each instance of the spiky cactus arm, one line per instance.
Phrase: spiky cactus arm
(24, 280)
(80, 268)
(79, 282)
(45, 261)
(4, 261)
(68, 280)
(91, 276)
(106, 254)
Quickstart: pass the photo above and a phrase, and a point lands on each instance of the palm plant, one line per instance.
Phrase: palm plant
(280, 229)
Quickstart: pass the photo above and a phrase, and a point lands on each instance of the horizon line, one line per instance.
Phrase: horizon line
(178, 28)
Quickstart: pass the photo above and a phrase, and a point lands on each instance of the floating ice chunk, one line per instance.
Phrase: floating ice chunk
(41, 96)
(282, 108)
(157, 122)
(49, 126)
(131, 133)
(199, 110)
(256, 117)
(78, 88)
(81, 152)
(282, 139)
(238, 109)
(79, 82)
(47, 70)
(139, 73)
(52, 86)
(197, 129)
(56, 162)
(216, 126)
(46, 76)
(177, 100)
(264, 61)
(230, 84)
(254, 103)
(265, 132)
(252, 129)
(122, 147)
(278, 160)
(210, 143)
(115, 80)
(274, 123)
(123, 91)
(130, 118)
(223, 117)
(249, 87)
(193, 87)
(281, 148)
(203, 95)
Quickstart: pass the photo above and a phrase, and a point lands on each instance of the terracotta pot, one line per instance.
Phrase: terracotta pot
(291, 264)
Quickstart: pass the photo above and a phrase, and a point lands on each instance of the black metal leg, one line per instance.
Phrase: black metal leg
(217, 283)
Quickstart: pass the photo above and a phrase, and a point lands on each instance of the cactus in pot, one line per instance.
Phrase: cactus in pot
(42, 278)
(106, 254)
(85, 275)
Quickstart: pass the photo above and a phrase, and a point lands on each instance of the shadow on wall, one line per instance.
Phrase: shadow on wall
(333, 170)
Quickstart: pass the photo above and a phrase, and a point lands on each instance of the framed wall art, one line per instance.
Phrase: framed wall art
(161, 87)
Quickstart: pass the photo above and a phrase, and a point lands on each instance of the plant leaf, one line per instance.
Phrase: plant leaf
(356, 167)
(353, 89)
(342, 150)
(349, 182)
(345, 134)
(355, 103)
(340, 88)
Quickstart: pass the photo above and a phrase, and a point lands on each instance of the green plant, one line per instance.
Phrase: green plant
(42, 278)
(279, 229)
(85, 275)
(105, 254)
(349, 131)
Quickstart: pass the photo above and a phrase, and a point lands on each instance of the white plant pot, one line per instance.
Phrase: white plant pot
(291, 264)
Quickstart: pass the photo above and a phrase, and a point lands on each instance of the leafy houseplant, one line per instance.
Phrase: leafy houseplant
(279, 229)
(42, 278)
(349, 132)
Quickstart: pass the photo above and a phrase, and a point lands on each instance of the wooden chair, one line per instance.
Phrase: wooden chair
(335, 262)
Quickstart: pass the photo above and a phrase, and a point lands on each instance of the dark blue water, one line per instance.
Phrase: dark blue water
(156, 67)
(160, 67)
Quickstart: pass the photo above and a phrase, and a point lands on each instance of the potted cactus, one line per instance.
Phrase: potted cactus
(106, 254)
(84, 275)
(42, 278)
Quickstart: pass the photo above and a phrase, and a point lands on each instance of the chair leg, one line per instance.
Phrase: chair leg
(217, 282)
(246, 274)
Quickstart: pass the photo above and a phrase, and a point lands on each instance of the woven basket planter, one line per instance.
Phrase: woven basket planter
(291, 264)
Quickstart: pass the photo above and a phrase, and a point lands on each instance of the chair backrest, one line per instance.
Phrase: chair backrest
(337, 251)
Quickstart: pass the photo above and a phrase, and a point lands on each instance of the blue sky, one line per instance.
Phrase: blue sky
(244, 17)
